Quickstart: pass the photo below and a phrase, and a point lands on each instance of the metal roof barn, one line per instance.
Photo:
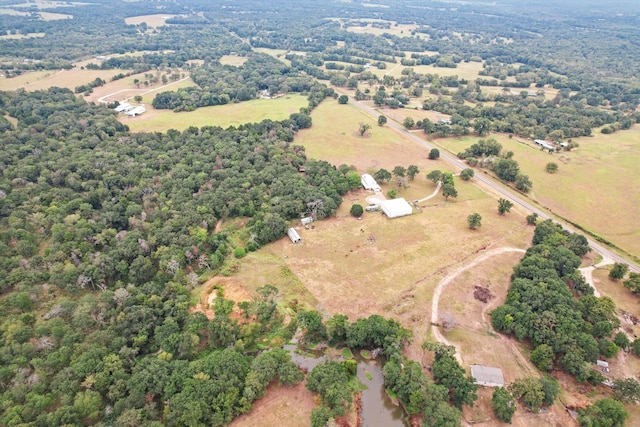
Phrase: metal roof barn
(395, 208)
(484, 375)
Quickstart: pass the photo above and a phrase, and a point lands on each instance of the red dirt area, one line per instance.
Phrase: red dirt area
(281, 406)
(232, 289)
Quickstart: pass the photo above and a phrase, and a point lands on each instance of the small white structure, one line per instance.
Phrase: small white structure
(544, 144)
(395, 208)
(602, 363)
(486, 376)
(136, 111)
(369, 183)
(306, 220)
(123, 107)
(293, 235)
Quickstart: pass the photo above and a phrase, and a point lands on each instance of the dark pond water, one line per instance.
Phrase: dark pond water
(377, 408)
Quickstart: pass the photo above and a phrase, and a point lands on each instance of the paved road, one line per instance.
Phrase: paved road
(500, 188)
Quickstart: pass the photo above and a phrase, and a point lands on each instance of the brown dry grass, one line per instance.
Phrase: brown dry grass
(233, 60)
(42, 80)
(50, 16)
(152, 21)
(281, 406)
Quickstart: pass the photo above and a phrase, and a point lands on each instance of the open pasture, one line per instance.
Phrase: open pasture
(234, 60)
(21, 36)
(152, 21)
(51, 16)
(41, 80)
(596, 185)
(400, 30)
(220, 115)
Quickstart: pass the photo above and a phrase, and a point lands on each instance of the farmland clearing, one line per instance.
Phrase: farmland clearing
(152, 21)
(599, 175)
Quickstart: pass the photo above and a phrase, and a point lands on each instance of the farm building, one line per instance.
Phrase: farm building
(544, 144)
(369, 183)
(293, 235)
(123, 107)
(306, 220)
(136, 111)
(486, 376)
(396, 207)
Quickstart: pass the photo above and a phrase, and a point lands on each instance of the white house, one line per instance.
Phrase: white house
(293, 235)
(544, 144)
(369, 183)
(486, 376)
(395, 208)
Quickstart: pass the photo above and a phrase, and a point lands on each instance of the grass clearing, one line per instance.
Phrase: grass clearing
(42, 80)
(596, 185)
(220, 115)
(51, 16)
(234, 60)
(13, 12)
(153, 21)
(21, 36)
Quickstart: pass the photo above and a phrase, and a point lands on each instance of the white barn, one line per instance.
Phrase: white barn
(369, 183)
(123, 107)
(486, 376)
(395, 208)
(136, 111)
(293, 235)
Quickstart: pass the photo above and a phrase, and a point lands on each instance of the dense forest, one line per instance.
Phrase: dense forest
(104, 232)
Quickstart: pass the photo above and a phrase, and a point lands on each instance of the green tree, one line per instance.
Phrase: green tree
(503, 404)
(622, 340)
(474, 220)
(434, 176)
(542, 356)
(504, 206)
(399, 171)
(320, 416)
(408, 123)
(392, 193)
(434, 154)
(552, 167)
(529, 391)
(523, 183)
(482, 126)
(354, 181)
(364, 128)
(137, 99)
(356, 210)
(382, 120)
(343, 99)
(532, 219)
(618, 271)
(449, 190)
(382, 175)
(466, 174)
(626, 390)
(604, 413)
(633, 283)
(412, 171)
(550, 388)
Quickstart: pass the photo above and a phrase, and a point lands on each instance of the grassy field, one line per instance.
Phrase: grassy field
(51, 16)
(400, 30)
(12, 12)
(222, 115)
(596, 186)
(21, 36)
(39, 80)
(152, 21)
(233, 60)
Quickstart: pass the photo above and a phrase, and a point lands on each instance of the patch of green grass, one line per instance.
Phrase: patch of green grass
(365, 353)
(346, 353)
(356, 385)
(224, 116)
(368, 375)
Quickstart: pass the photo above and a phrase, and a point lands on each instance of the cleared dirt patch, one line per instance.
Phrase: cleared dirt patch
(281, 406)
(152, 21)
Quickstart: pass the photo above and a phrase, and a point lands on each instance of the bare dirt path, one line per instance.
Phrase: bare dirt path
(587, 272)
(448, 279)
(142, 91)
(432, 195)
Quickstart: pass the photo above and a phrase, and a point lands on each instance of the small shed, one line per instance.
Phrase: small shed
(123, 107)
(487, 376)
(369, 183)
(293, 235)
(395, 208)
(306, 220)
(602, 363)
(136, 111)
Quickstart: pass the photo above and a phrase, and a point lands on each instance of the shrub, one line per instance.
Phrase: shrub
(239, 252)
(356, 210)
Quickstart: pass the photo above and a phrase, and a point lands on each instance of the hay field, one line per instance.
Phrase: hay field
(220, 115)
(596, 186)
(12, 12)
(152, 21)
(234, 60)
(400, 30)
(51, 16)
(21, 36)
(41, 80)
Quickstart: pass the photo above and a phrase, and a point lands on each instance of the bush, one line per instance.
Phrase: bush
(503, 404)
(618, 271)
(239, 253)
(434, 154)
(467, 174)
(356, 210)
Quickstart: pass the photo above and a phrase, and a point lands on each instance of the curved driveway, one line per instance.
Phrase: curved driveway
(500, 189)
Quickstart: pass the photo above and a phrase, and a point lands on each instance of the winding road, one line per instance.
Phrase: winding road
(499, 188)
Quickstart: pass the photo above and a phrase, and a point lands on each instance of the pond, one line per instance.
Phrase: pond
(377, 409)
